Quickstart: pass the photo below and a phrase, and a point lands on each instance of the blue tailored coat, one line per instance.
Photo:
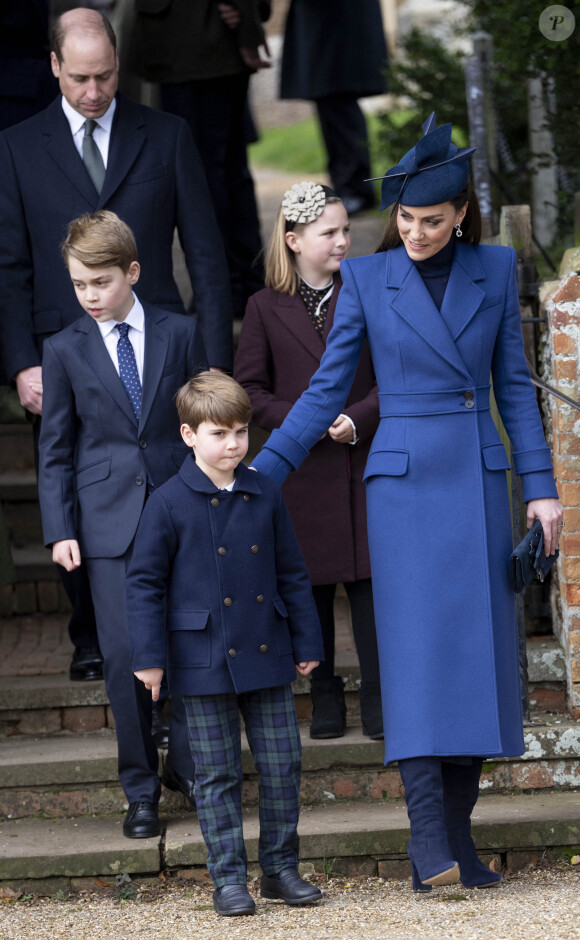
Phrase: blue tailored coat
(96, 459)
(154, 182)
(437, 501)
(217, 591)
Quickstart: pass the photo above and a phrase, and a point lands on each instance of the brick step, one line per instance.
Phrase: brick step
(16, 448)
(44, 856)
(50, 703)
(19, 496)
(76, 774)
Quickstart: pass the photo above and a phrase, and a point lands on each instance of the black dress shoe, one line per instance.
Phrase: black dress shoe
(86, 664)
(233, 901)
(289, 887)
(141, 821)
(159, 729)
(174, 781)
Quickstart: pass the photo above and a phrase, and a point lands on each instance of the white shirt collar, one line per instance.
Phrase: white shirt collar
(135, 318)
(76, 120)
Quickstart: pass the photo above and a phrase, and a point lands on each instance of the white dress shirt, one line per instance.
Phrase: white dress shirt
(136, 320)
(101, 133)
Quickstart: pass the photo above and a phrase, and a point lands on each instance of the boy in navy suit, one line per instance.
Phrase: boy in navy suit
(218, 596)
(109, 436)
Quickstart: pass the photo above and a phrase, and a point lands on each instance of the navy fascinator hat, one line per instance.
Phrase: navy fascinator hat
(432, 172)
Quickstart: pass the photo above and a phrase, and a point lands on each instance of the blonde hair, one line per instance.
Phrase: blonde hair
(280, 272)
(100, 240)
(213, 397)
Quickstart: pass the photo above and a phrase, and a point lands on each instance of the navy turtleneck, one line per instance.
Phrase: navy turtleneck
(435, 271)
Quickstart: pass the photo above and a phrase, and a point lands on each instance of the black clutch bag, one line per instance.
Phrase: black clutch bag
(528, 561)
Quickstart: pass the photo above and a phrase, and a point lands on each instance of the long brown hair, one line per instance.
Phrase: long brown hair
(471, 225)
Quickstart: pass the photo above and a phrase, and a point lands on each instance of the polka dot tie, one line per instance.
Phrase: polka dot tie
(128, 368)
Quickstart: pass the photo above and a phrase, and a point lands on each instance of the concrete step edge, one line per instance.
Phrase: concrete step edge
(39, 849)
(73, 759)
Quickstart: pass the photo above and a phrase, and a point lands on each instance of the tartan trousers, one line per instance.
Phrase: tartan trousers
(274, 738)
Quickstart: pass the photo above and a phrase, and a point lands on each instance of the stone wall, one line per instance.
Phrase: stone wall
(561, 302)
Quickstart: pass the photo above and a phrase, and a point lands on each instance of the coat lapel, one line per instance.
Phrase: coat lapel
(127, 140)
(413, 304)
(98, 359)
(156, 345)
(61, 148)
(293, 315)
(463, 297)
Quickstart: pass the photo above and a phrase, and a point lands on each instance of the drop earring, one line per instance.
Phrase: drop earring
(457, 228)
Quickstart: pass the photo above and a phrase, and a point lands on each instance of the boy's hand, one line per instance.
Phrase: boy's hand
(305, 668)
(341, 431)
(151, 679)
(67, 553)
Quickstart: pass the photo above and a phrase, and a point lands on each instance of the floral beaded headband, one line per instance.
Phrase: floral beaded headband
(304, 202)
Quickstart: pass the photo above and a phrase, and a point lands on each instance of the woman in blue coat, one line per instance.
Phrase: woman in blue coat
(440, 313)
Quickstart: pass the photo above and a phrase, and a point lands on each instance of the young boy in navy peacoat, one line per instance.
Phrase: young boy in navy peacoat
(219, 597)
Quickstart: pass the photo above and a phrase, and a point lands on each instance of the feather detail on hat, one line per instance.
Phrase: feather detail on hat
(433, 171)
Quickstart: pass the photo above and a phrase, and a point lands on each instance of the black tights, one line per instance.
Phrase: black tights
(360, 598)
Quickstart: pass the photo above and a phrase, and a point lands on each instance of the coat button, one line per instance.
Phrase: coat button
(260, 598)
(469, 404)
(143, 444)
(228, 601)
(233, 653)
(468, 395)
(139, 481)
(246, 498)
(221, 550)
(254, 549)
(215, 501)
(264, 648)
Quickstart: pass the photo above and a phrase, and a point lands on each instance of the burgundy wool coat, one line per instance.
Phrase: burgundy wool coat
(279, 351)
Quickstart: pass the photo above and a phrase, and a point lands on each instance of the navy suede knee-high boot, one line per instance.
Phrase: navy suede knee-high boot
(460, 792)
(428, 849)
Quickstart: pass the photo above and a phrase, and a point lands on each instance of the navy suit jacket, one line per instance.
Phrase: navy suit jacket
(217, 590)
(154, 182)
(96, 460)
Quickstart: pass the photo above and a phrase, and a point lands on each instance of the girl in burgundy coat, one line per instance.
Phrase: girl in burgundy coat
(282, 340)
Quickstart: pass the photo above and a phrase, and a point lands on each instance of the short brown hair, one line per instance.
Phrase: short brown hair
(213, 397)
(80, 19)
(100, 240)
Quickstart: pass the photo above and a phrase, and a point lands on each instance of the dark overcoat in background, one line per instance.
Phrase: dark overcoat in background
(438, 509)
(278, 353)
(217, 590)
(154, 182)
(331, 47)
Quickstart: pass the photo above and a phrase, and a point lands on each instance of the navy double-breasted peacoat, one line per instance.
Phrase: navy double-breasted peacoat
(217, 590)
(154, 182)
(96, 459)
(278, 352)
(438, 510)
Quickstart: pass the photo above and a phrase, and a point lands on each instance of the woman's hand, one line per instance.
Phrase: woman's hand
(550, 514)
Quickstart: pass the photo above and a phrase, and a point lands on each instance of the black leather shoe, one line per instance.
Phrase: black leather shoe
(141, 821)
(289, 887)
(174, 781)
(86, 664)
(159, 729)
(233, 901)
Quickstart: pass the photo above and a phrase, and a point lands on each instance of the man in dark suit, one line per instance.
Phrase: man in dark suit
(147, 171)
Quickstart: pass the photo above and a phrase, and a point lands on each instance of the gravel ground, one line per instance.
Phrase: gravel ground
(540, 903)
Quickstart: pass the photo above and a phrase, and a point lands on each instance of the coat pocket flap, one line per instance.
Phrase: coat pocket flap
(495, 457)
(94, 473)
(391, 463)
(187, 619)
(279, 605)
